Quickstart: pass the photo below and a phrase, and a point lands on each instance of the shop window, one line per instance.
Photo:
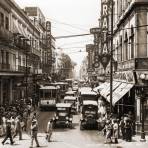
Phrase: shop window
(7, 23)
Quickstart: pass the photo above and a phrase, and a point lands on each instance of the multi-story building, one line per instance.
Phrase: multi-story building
(21, 50)
(130, 59)
(47, 41)
(83, 70)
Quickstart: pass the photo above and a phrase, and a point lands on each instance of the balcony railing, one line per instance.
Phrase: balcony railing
(5, 35)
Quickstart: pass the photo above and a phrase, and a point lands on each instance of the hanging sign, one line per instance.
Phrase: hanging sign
(104, 55)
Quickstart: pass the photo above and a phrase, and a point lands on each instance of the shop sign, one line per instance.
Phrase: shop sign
(141, 63)
(95, 30)
(104, 26)
(126, 76)
(48, 34)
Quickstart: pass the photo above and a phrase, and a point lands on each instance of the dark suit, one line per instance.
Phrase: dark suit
(8, 133)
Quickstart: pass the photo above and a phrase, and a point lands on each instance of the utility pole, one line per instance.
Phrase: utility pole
(111, 57)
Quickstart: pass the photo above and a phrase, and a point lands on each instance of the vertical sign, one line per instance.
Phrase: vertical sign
(104, 26)
(104, 55)
(96, 33)
(48, 34)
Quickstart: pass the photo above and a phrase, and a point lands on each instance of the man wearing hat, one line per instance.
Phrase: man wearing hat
(34, 131)
(8, 133)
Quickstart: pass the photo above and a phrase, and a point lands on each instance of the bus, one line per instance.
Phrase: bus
(49, 96)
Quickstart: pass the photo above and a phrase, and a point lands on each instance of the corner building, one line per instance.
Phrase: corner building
(131, 55)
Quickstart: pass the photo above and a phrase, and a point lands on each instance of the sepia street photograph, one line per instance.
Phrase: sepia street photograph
(74, 73)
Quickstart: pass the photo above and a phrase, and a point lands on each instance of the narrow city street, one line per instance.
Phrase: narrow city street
(69, 138)
(78, 63)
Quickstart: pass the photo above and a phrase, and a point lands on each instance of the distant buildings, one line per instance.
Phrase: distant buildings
(26, 50)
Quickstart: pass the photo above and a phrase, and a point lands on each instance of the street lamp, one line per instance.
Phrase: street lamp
(141, 93)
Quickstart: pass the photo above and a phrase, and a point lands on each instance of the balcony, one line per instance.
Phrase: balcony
(36, 52)
(5, 67)
(5, 35)
(134, 64)
(22, 45)
(23, 69)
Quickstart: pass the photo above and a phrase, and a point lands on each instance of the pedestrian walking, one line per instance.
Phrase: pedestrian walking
(115, 131)
(49, 130)
(108, 129)
(8, 133)
(128, 130)
(34, 131)
(18, 128)
(122, 129)
(34, 117)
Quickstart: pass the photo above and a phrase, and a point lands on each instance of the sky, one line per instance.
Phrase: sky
(69, 17)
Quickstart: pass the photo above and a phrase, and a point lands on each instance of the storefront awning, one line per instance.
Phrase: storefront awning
(119, 92)
(104, 88)
(106, 92)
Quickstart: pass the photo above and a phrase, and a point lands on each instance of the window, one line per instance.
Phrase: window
(132, 42)
(7, 23)
(1, 19)
(120, 50)
(7, 57)
(126, 47)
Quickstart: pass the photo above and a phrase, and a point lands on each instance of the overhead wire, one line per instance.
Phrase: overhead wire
(67, 24)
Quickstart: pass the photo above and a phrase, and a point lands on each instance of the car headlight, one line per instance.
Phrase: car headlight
(67, 118)
(57, 117)
(70, 119)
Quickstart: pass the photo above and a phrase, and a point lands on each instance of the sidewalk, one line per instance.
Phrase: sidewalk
(134, 144)
(25, 143)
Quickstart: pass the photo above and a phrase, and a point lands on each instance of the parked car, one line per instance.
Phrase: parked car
(73, 101)
(63, 116)
(89, 115)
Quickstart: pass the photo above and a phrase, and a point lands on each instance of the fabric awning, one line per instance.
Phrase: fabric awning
(106, 90)
(119, 92)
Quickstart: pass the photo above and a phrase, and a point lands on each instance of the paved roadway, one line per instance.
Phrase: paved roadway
(74, 138)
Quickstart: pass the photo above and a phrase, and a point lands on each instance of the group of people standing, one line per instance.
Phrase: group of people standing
(115, 129)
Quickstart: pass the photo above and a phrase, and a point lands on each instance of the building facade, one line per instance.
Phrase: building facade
(20, 52)
(130, 58)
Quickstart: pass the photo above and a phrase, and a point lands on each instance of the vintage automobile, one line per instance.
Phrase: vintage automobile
(63, 116)
(86, 93)
(73, 101)
(71, 93)
(89, 115)
(63, 88)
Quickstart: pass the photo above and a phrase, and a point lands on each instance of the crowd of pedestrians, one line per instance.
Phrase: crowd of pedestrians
(115, 129)
(13, 119)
